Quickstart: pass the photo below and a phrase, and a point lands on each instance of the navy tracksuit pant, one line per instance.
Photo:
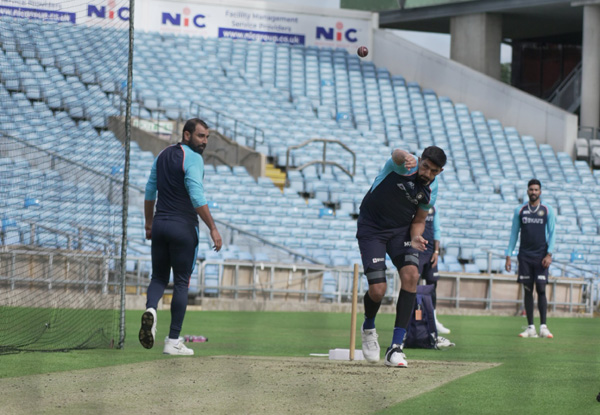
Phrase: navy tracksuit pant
(174, 247)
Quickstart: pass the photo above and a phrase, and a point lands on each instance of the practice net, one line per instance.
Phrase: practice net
(63, 77)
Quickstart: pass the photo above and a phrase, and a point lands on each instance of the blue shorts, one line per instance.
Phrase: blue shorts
(428, 272)
(532, 271)
(375, 243)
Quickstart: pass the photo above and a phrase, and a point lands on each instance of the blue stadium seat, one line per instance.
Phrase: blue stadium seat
(452, 249)
(329, 286)
(472, 268)
(454, 267)
(211, 279)
(262, 257)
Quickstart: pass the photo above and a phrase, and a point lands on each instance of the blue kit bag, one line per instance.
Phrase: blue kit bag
(422, 332)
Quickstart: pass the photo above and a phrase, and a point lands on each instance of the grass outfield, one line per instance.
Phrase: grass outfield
(550, 376)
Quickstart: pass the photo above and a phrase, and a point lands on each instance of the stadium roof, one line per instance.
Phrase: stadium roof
(522, 19)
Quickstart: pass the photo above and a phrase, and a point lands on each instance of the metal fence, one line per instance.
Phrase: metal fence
(309, 283)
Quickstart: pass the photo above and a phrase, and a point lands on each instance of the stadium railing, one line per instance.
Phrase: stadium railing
(242, 132)
(310, 283)
(62, 270)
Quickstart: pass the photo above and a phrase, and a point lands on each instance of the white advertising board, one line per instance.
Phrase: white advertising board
(113, 13)
(296, 27)
(259, 21)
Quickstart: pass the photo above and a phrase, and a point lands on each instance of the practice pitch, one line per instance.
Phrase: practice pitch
(229, 384)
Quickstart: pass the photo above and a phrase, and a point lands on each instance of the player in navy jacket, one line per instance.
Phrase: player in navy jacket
(176, 175)
(428, 260)
(391, 221)
(536, 222)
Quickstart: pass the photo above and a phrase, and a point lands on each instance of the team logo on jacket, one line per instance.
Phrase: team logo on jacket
(408, 196)
(541, 213)
(420, 196)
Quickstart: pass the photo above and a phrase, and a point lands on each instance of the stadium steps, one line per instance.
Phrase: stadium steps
(276, 175)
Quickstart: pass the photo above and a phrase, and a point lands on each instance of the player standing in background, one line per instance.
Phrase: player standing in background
(428, 260)
(536, 222)
(391, 221)
(177, 175)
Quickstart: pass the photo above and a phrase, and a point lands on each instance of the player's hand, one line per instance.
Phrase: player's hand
(216, 237)
(148, 229)
(419, 243)
(546, 261)
(434, 259)
(507, 266)
(410, 161)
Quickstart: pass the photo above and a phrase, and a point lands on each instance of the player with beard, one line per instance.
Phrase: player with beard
(177, 175)
(391, 221)
(536, 222)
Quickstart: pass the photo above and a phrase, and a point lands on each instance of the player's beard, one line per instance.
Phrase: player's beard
(423, 180)
(533, 198)
(199, 148)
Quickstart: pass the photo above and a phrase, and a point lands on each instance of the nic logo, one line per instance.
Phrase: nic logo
(177, 20)
(102, 12)
(338, 33)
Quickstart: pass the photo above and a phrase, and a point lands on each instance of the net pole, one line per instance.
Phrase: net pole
(353, 317)
(126, 174)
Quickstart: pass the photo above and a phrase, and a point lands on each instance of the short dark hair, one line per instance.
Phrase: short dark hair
(534, 181)
(435, 154)
(190, 125)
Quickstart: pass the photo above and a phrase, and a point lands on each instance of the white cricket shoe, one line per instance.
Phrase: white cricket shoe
(443, 342)
(544, 332)
(148, 330)
(440, 328)
(370, 345)
(394, 357)
(176, 347)
(529, 332)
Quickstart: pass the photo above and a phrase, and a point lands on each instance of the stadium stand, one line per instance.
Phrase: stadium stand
(292, 94)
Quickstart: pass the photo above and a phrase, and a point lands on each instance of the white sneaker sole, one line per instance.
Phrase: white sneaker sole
(400, 364)
(177, 352)
(390, 364)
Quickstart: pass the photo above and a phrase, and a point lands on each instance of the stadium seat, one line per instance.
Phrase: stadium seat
(329, 287)
(211, 279)
(472, 268)
(452, 249)
(454, 267)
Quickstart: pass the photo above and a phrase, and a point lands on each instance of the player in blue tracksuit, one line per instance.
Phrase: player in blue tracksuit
(428, 260)
(177, 175)
(536, 222)
(391, 221)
